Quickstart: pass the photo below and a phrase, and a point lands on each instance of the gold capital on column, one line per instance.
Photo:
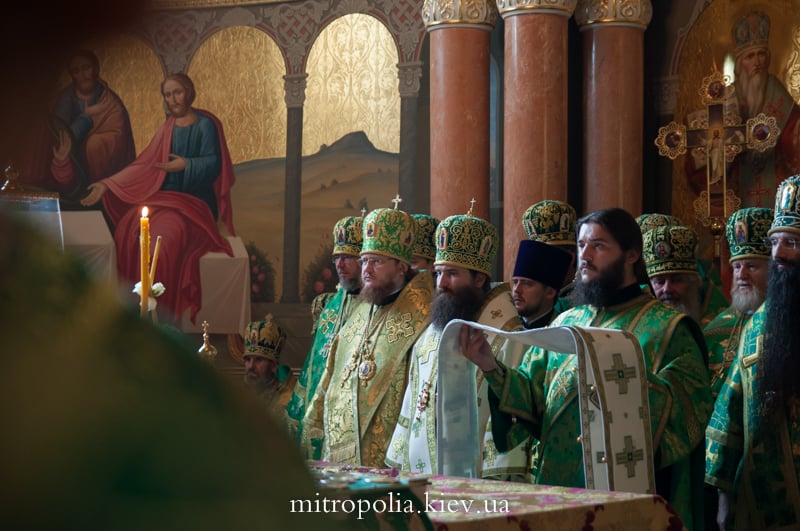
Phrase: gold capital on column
(294, 86)
(409, 74)
(470, 13)
(518, 7)
(636, 13)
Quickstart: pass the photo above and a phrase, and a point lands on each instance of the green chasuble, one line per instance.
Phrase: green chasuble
(357, 402)
(757, 464)
(541, 398)
(722, 337)
(331, 319)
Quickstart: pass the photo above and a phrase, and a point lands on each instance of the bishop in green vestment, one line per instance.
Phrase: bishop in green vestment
(541, 396)
(352, 415)
(347, 238)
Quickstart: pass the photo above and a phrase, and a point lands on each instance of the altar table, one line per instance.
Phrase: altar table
(465, 504)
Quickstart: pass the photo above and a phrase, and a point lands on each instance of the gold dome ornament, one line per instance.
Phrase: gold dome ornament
(207, 351)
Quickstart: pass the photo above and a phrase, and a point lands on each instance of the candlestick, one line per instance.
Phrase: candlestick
(155, 260)
(144, 252)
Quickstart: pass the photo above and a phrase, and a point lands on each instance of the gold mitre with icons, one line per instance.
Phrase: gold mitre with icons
(751, 32)
(787, 207)
(746, 230)
(424, 240)
(550, 221)
(466, 241)
(264, 338)
(670, 249)
(648, 222)
(348, 236)
(389, 232)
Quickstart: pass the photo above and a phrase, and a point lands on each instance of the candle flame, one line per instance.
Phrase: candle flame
(144, 212)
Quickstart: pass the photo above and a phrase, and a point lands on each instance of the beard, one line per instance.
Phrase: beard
(257, 382)
(690, 306)
(376, 294)
(746, 301)
(350, 285)
(753, 91)
(601, 290)
(463, 303)
(779, 362)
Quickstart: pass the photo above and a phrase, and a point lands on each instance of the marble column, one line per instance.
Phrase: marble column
(535, 118)
(295, 95)
(415, 201)
(459, 87)
(613, 104)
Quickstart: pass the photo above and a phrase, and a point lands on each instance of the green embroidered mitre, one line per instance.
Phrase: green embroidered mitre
(670, 249)
(551, 222)
(466, 241)
(424, 241)
(787, 206)
(746, 230)
(389, 232)
(348, 236)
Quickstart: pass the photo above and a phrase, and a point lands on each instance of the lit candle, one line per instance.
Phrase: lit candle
(144, 252)
(155, 261)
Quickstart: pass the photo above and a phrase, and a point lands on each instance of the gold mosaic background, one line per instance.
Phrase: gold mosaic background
(352, 85)
(238, 73)
(706, 45)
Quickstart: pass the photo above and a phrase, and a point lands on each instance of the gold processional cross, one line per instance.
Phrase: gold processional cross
(717, 135)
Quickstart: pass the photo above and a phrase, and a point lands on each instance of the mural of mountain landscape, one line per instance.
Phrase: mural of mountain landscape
(338, 181)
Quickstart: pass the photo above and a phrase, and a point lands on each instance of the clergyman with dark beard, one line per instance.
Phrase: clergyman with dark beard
(466, 247)
(538, 397)
(753, 438)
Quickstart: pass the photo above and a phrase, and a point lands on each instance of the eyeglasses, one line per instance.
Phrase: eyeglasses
(791, 243)
(374, 262)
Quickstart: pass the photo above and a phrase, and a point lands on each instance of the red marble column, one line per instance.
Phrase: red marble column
(535, 118)
(459, 116)
(613, 106)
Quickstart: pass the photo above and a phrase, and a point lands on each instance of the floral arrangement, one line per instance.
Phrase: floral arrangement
(156, 290)
(262, 275)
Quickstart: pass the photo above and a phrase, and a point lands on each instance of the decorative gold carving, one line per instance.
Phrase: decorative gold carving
(475, 13)
(246, 95)
(409, 75)
(762, 132)
(295, 90)
(636, 13)
(671, 140)
(518, 7)
(352, 85)
(199, 4)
